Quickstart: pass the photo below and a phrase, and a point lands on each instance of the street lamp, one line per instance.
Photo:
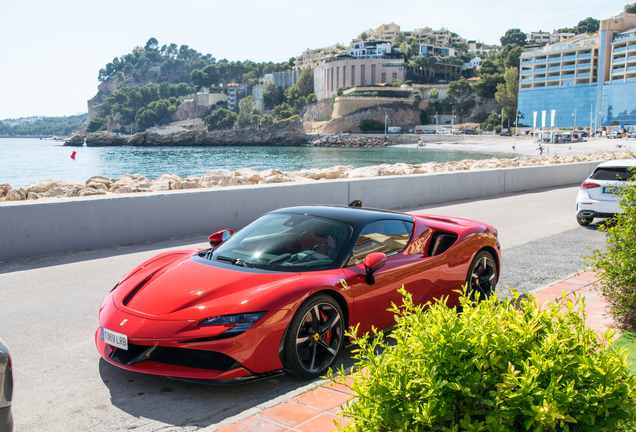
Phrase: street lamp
(436, 119)
(386, 116)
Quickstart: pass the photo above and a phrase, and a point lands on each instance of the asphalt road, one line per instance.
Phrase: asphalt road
(48, 316)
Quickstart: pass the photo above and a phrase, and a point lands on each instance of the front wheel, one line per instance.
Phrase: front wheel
(482, 276)
(314, 338)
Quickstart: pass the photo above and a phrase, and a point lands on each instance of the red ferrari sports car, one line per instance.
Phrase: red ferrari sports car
(278, 295)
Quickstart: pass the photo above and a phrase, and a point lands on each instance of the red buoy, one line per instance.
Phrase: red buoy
(73, 155)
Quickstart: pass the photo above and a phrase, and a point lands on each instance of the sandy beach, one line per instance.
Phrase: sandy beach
(526, 146)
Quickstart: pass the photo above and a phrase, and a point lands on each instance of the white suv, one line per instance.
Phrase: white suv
(597, 198)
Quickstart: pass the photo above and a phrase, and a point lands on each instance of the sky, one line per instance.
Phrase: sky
(53, 50)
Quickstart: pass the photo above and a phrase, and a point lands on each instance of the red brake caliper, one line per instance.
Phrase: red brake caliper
(327, 336)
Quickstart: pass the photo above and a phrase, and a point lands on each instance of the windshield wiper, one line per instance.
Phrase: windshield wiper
(235, 261)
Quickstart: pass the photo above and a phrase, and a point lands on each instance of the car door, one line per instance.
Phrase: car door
(408, 267)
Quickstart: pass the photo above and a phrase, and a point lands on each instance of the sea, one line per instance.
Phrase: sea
(24, 160)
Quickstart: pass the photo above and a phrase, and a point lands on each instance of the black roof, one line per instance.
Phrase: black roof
(354, 216)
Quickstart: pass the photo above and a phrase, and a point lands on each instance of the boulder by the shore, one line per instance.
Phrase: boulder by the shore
(76, 140)
(135, 183)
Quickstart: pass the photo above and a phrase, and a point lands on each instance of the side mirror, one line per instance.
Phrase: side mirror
(372, 263)
(219, 237)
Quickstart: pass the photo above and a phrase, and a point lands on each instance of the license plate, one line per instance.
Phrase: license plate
(115, 339)
(610, 190)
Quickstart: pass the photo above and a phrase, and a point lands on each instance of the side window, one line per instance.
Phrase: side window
(388, 236)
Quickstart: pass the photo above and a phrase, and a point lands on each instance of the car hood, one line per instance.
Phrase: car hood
(184, 289)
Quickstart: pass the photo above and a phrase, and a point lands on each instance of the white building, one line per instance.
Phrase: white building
(370, 49)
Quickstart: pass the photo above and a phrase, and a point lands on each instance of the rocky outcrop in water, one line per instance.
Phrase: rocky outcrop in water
(135, 183)
(284, 133)
(76, 141)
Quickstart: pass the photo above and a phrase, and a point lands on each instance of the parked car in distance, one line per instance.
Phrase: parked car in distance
(428, 131)
(584, 134)
(419, 131)
(597, 197)
(394, 129)
(457, 131)
(470, 132)
(6, 389)
(443, 131)
(505, 133)
(278, 295)
(615, 135)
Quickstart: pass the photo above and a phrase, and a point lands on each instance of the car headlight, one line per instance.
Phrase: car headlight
(241, 322)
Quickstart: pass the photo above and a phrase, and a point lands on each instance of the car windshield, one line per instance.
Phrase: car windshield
(286, 242)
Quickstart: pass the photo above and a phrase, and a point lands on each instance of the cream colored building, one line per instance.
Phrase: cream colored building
(540, 38)
(310, 58)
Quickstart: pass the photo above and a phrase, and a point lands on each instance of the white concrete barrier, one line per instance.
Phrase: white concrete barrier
(43, 227)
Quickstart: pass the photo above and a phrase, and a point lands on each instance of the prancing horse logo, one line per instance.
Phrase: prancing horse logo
(123, 322)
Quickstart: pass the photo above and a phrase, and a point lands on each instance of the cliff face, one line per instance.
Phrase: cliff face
(399, 114)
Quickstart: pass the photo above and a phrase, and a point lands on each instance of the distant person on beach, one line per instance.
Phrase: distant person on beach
(514, 147)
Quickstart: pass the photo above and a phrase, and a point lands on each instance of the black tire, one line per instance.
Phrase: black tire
(584, 221)
(482, 276)
(315, 337)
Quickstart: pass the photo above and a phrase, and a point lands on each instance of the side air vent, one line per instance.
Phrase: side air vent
(441, 242)
(130, 296)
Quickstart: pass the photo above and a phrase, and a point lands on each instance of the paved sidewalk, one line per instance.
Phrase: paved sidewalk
(317, 408)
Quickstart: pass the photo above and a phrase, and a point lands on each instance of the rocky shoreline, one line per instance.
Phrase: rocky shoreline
(135, 183)
(285, 133)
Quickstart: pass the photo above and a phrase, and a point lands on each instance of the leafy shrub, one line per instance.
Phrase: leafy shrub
(371, 125)
(488, 127)
(408, 82)
(494, 367)
(617, 263)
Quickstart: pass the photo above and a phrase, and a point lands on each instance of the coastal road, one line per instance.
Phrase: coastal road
(49, 305)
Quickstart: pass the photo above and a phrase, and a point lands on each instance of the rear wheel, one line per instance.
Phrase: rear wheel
(584, 221)
(314, 338)
(482, 276)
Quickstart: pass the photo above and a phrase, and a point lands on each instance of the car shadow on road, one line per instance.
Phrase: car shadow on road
(185, 404)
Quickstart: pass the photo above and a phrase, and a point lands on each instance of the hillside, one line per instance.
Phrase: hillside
(42, 126)
(144, 87)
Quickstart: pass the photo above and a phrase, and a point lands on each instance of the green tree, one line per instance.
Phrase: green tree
(514, 36)
(630, 8)
(507, 93)
(588, 25)
(283, 111)
(96, 124)
(221, 119)
(490, 76)
(513, 58)
(267, 120)
(273, 96)
(152, 44)
(292, 94)
(433, 94)
(364, 36)
(246, 109)
(306, 82)
(460, 94)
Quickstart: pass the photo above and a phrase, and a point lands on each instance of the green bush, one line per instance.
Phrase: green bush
(488, 127)
(617, 263)
(494, 367)
(498, 129)
(371, 125)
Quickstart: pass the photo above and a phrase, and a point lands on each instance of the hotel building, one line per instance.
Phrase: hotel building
(587, 79)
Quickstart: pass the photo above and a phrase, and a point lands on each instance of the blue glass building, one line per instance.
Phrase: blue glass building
(590, 81)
